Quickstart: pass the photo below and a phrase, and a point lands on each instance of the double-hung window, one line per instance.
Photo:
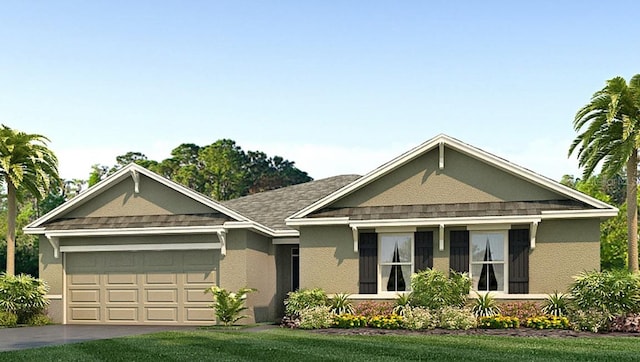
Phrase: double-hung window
(488, 261)
(396, 262)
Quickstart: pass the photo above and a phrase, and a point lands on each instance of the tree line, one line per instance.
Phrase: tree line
(221, 170)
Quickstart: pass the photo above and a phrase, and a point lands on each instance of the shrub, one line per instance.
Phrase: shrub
(434, 290)
(591, 320)
(403, 302)
(8, 319)
(520, 310)
(456, 318)
(228, 306)
(548, 322)
(556, 304)
(340, 304)
(485, 306)
(39, 320)
(370, 308)
(391, 321)
(316, 317)
(615, 292)
(498, 322)
(304, 299)
(628, 323)
(23, 295)
(419, 318)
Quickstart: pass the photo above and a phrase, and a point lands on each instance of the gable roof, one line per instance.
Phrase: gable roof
(442, 141)
(271, 208)
(131, 170)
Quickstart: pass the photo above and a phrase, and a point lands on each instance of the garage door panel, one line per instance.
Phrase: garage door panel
(85, 296)
(128, 279)
(123, 296)
(119, 260)
(161, 314)
(159, 259)
(162, 295)
(199, 314)
(160, 278)
(201, 278)
(197, 296)
(84, 279)
(158, 287)
(85, 314)
(122, 314)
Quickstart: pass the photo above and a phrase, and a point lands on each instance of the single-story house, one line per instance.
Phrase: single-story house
(138, 248)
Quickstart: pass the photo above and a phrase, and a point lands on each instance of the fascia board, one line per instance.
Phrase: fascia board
(460, 221)
(318, 221)
(581, 214)
(135, 231)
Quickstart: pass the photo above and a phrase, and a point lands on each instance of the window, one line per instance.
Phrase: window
(396, 262)
(488, 266)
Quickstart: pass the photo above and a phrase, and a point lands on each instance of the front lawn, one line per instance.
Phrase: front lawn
(284, 344)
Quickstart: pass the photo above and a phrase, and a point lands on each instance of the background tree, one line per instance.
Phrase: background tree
(27, 166)
(613, 231)
(610, 136)
(221, 170)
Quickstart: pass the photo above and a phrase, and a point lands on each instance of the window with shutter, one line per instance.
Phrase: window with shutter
(423, 250)
(459, 251)
(368, 248)
(519, 261)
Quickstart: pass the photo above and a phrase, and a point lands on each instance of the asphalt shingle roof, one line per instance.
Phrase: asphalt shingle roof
(144, 221)
(472, 209)
(271, 208)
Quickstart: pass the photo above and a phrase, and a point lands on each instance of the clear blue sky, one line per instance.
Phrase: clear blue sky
(336, 86)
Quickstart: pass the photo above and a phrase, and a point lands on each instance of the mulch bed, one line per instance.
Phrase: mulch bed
(516, 332)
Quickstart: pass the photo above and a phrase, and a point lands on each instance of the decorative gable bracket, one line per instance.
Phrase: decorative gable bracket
(222, 235)
(135, 175)
(55, 243)
(534, 231)
(354, 230)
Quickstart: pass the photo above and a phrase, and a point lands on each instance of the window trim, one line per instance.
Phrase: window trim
(505, 262)
(381, 291)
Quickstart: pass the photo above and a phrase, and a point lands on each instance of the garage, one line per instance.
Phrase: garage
(139, 287)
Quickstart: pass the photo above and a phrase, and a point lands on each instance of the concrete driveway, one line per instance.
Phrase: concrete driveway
(32, 337)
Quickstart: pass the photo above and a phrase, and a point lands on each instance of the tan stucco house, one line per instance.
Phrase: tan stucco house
(140, 249)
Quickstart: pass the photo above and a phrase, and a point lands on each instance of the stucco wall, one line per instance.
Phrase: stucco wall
(327, 259)
(250, 262)
(50, 270)
(153, 199)
(563, 249)
(463, 180)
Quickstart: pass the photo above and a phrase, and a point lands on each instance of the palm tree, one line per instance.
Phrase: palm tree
(611, 122)
(26, 164)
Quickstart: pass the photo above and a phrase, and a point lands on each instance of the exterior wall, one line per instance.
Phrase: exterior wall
(153, 199)
(50, 270)
(463, 180)
(327, 259)
(563, 249)
(250, 262)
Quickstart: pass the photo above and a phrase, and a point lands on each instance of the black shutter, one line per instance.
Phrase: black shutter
(459, 251)
(519, 261)
(368, 247)
(423, 250)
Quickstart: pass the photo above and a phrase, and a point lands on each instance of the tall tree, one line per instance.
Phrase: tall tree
(610, 135)
(26, 164)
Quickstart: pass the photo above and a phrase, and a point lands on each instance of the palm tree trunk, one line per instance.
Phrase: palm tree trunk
(632, 210)
(11, 228)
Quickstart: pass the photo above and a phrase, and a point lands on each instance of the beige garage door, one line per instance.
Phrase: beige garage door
(143, 287)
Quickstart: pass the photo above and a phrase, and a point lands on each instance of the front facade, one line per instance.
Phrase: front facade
(139, 249)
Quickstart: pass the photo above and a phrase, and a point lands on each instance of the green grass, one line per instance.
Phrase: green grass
(289, 345)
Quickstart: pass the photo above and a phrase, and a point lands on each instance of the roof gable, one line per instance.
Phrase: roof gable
(135, 191)
(435, 154)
